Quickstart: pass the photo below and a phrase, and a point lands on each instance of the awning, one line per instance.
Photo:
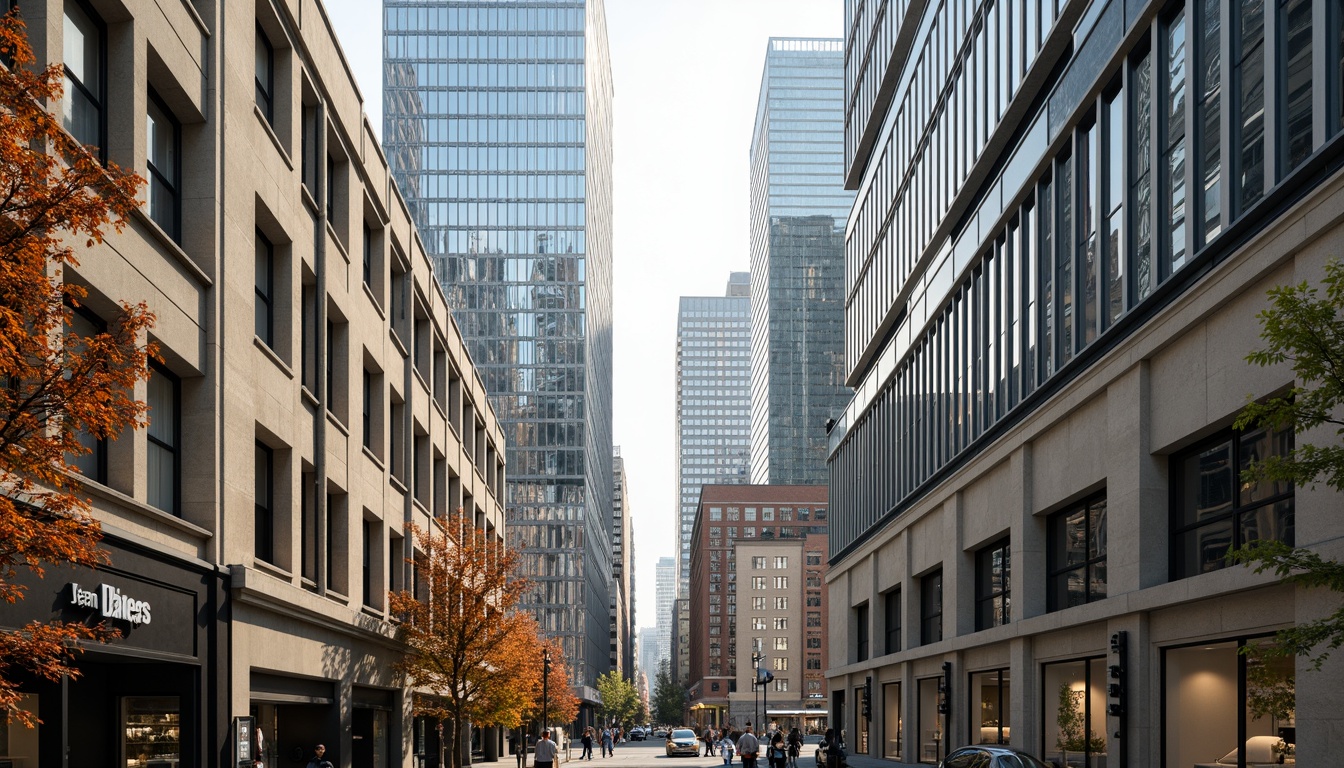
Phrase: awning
(813, 712)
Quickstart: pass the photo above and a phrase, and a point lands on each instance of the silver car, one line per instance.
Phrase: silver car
(990, 756)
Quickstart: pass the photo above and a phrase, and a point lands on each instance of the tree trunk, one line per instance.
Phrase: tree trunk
(443, 739)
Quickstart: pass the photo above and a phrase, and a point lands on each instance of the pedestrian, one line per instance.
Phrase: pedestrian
(319, 758)
(835, 749)
(726, 748)
(778, 752)
(748, 747)
(546, 751)
(708, 738)
(608, 749)
(587, 744)
(795, 741)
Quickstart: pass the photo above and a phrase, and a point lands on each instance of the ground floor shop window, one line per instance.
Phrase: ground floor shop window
(1073, 698)
(1220, 713)
(153, 737)
(989, 707)
(18, 742)
(932, 746)
(891, 721)
(860, 724)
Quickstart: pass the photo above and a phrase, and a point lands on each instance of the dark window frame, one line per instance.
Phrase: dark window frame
(265, 94)
(931, 621)
(862, 630)
(265, 307)
(1178, 569)
(990, 591)
(99, 99)
(1054, 557)
(175, 448)
(892, 620)
(100, 445)
(263, 520)
(173, 185)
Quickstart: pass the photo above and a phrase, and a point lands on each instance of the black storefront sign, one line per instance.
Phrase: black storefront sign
(152, 698)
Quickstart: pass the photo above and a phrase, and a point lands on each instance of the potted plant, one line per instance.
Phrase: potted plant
(1074, 735)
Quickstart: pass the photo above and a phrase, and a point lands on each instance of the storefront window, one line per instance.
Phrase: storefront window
(1074, 702)
(860, 725)
(931, 742)
(891, 721)
(989, 707)
(153, 731)
(19, 743)
(1218, 714)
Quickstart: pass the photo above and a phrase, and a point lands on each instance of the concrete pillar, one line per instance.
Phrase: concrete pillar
(490, 744)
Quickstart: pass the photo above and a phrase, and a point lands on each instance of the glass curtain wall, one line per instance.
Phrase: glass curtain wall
(1073, 703)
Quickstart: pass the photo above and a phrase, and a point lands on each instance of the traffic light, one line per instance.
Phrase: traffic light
(546, 662)
(868, 698)
(1115, 690)
(945, 690)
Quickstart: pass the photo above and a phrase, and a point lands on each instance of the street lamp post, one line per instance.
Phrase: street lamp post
(756, 685)
(545, 691)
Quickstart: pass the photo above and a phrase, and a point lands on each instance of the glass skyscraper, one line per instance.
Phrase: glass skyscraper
(498, 131)
(798, 212)
(713, 402)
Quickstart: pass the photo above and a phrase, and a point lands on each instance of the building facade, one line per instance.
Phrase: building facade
(648, 653)
(798, 210)
(623, 574)
(307, 408)
(713, 401)
(666, 585)
(757, 568)
(1051, 289)
(498, 131)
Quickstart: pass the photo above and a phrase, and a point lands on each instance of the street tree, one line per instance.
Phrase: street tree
(63, 390)
(620, 700)
(1304, 329)
(559, 705)
(471, 652)
(669, 698)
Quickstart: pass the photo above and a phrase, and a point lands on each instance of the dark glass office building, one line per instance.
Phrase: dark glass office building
(1068, 214)
(798, 210)
(498, 132)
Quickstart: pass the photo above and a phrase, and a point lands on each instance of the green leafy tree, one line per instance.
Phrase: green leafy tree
(669, 698)
(1304, 329)
(620, 700)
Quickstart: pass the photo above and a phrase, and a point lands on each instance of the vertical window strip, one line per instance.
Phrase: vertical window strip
(263, 528)
(1249, 85)
(265, 289)
(1294, 59)
(163, 437)
(1175, 38)
(1208, 120)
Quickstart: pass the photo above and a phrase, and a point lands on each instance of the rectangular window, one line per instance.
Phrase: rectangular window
(308, 528)
(1087, 234)
(1141, 177)
(92, 464)
(758, 603)
(263, 528)
(265, 76)
(1213, 510)
(164, 438)
(1248, 83)
(396, 560)
(758, 582)
(163, 201)
(308, 339)
(931, 608)
(781, 603)
(861, 633)
(1064, 233)
(368, 255)
(781, 582)
(781, 561)
(1046, 259)
(1113, 217)
(891, 719)
(1296, 94)
(370, 535)
(1074, 703)
(780, 663)
(993, 604)
(758, 622)
(85, 54)
(265, 300)
(990, 712)
(1173, 142)
(781, 643)
(892, 621)
(1207, 118)
(366, 410)
(1076, 555)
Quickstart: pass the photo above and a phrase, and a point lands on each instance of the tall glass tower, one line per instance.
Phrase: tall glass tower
(798, 211)
(498, 130)
(713, 402)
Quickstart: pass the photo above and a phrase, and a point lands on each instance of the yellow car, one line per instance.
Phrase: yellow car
(682, 741)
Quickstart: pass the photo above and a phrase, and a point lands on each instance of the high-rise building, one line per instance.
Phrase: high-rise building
(713, 401)
(498, 131)
(623, 574)
(1068, 217)
(666, 583)
(302, 412)
(649, 653)
(757, 570)
(798, 210)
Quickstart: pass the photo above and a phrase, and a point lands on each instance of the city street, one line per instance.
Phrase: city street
(643, 754)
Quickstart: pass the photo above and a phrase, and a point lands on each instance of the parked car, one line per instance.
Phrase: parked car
(660, 733)
(990, 756)
(682, 741)
(637, 734)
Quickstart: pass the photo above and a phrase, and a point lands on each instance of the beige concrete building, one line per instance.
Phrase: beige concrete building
(314, 398)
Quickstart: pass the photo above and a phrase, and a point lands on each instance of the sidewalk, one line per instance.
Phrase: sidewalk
(864, 761)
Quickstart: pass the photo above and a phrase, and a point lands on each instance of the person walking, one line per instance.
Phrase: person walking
(726, 747)
(708, 738)
(546, 751)
(608, 749)
(835, 751)
(778, 752)
(319, 759)
(748, 747)
(795, 742)
(587, 740)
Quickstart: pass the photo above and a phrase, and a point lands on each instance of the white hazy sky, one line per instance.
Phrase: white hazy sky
(687, 74)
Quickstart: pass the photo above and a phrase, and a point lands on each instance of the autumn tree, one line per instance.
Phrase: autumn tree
(470, 651)
(1304, 329)
(561, 705)
(60, 390)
